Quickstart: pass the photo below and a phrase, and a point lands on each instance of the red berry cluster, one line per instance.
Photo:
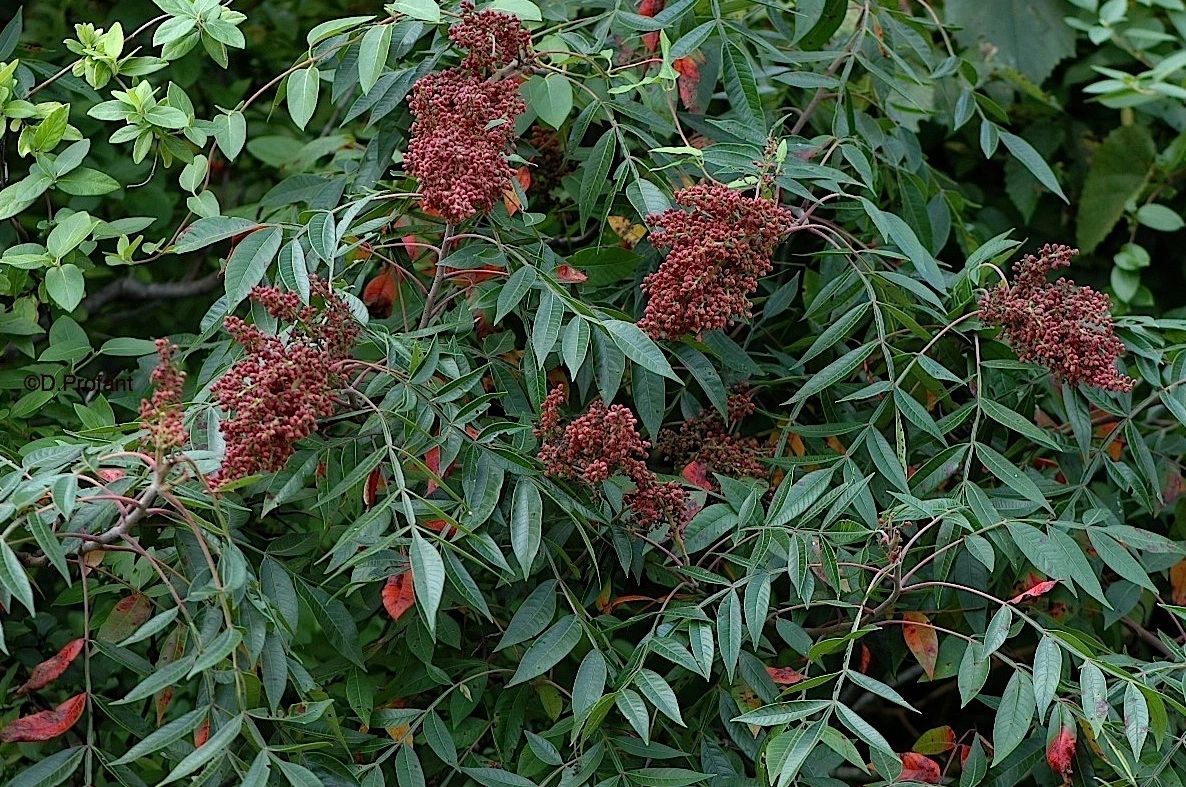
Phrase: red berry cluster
(709, 441)
(465, 121)
(491, 39)
(1062, 326)
(719, 251)
(162, 415)
(1060, 752)
(603, 442)
(278, 391)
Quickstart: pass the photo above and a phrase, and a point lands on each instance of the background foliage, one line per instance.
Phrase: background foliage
(948, 564)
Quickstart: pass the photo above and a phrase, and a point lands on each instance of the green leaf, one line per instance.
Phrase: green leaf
(65, 285)
(212, 748)
(1136, 718)
(833, 372)
(303, 86)
(216, 651)
(655, 689)
(164, 736)
(1047, 673)
(372, 55)
(729, 631)
(1032, 160)
(547, 651)
(332, 27)
(1009, 473)
(168, 675)
(204, 232)
(527, 510)
(51, 770)
(639, 347)
(532, 617)
(1016, 711)
(549, 97)
(249, 262)
(428, 578)
(1028, 35)
(13, 579)
(524, 9)
(513, 291)
(589, 685)
(793, 499)
(667, 777)
(408, 772)
(1093, 689)
(1118, 171)
(1011, 420)
(596, 171)
(424, 10)
(741, 86)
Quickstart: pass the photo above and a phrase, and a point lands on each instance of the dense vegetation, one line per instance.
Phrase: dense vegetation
(607, 392)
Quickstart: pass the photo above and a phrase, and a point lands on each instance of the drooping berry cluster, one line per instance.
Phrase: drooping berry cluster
(279, 390)
(1060, 752)
(162, 415)
(708, 440)
(719, 250)
(601, 443)
(465, 119)
(1062, 326)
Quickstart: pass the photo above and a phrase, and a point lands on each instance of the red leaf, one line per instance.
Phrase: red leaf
(129, 614)
(689, 81)
(1060, 753)
(432, 460)
(866, 659)
(379, 293)
(696, 473)
(109, 474)
(374, 483)
(398, 596)
(566, 274)
(469, 277)
(920, 768)
(441, 526)
(1034, 591)
(52, 668)
(784, 676)
(650, 8)
(202, 733)
(922, 640)
(47, 724)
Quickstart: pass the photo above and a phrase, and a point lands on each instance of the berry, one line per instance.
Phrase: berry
(719, 251)
(1062, 326)
(162, 415)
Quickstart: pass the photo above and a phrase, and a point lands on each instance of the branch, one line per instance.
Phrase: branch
(133, 289)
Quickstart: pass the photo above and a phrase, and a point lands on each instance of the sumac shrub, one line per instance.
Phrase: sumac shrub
(606, 393)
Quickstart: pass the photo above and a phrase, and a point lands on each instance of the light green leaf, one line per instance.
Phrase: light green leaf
(303, 86)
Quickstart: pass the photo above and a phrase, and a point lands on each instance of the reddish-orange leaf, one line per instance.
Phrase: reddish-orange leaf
(109, 474)
(469, 277)
(784, 676)
(1034, 591)
(566, 274)
(441, 526)
(696, 473)
(370, 492)
(935, 741)
(509, 197)
(52, 668)
(432, 461)
(920, 768)
(1178, 583)
(922, 640)
(650, 8)
(866, 659)
(689, 81)
(47, 724)
(129, 613)
(379, 293)
(618, 601)
(202, 733)
(398, 596)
